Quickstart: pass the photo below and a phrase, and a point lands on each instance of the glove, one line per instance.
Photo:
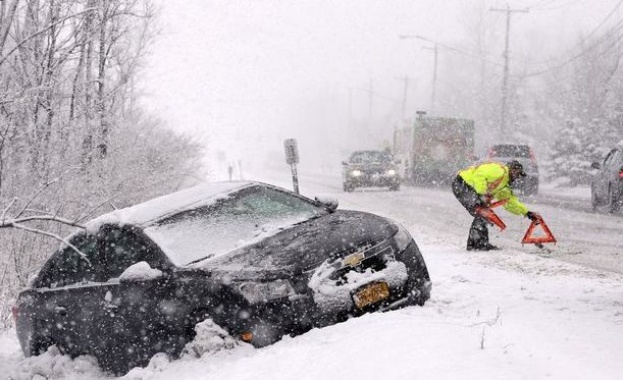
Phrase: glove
(532, 215)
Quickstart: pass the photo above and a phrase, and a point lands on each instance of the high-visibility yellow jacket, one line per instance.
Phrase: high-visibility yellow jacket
(491, 179)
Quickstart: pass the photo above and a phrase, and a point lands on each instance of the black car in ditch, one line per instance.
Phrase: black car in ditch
(370, 168)
(607, 182)
(258, 260)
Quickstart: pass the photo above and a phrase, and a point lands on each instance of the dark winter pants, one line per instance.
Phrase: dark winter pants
(478, 233)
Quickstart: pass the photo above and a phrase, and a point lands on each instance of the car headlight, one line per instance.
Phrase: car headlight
(402, 238)
(391, 172)
(256, 292)
(356, 173)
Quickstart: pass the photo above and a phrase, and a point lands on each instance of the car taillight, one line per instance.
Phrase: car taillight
(15, 312)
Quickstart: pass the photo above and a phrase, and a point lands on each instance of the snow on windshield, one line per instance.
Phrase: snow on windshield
(247, 216)
(201, 195)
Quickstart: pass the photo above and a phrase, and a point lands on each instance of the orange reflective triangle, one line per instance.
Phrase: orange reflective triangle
(538, 233)
(491, 217)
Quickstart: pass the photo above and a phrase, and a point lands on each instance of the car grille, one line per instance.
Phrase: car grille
(375, 259)
(371, 172)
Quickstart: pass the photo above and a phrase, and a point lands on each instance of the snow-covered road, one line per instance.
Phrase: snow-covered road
(435, 217)
(517, 313)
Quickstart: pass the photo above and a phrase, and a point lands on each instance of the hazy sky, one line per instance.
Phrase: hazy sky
(246, 74)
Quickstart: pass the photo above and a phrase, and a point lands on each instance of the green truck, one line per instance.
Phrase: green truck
(431, 150)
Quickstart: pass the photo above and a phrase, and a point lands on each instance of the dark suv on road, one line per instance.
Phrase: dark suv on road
(528, 185)
(370, 168)
(607, 183)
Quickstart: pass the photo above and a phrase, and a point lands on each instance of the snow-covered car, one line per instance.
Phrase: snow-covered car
(607, 182)
(258, 260)
(370, 168)
(528, 185)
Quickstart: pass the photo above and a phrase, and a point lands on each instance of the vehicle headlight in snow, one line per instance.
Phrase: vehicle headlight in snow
(391, 172)
(356, 173)
(256, 292)
(402, 238)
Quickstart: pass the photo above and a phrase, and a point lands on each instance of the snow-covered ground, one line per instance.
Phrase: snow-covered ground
(517, 313)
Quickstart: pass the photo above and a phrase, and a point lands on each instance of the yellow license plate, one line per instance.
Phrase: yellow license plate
(371, 294)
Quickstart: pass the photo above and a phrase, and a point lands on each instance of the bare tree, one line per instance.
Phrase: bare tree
(67, 105)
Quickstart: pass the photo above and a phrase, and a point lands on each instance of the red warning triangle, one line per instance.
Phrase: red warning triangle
(491, 217)
(538, 233)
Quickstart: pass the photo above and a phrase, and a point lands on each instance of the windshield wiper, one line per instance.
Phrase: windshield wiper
(201, 259)
(307, 220)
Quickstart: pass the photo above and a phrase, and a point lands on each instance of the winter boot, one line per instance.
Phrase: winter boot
(478, 239)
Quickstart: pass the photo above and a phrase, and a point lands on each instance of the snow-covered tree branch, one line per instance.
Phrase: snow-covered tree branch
(18, 222)
(73, 141)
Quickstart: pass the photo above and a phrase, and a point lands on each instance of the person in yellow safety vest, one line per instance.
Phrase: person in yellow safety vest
(477, 186)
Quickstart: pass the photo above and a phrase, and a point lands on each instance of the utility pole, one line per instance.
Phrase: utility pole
(369, 90)
(508, 11)
(370, 101)
(406, 80)
(404, 98)
(435, 52)
(350, 107)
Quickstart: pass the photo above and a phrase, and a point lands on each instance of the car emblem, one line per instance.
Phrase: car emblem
(353, 259)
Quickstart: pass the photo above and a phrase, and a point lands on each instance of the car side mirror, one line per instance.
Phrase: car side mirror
(329, 202)
(596, 165)
(32, 279)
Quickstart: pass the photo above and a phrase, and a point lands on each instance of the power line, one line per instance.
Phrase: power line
(589, 35)
(509, 12)
(452, 48)
(540, 2)
(555, 7)
(435, 50)
(581, 53)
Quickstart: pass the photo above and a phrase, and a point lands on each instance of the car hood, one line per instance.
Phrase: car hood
(303, 247)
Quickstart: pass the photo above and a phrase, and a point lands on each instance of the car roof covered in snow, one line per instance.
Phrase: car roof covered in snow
(144, 214)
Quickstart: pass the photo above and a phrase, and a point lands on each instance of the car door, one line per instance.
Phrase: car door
(66, 288)
(137, 309)
(601, 178)
(612, 169)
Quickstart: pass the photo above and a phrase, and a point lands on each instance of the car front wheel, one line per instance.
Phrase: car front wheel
(264, 333)
(40, 345)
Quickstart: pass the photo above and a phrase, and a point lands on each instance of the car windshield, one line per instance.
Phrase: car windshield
(370, 156)
(241, 219)
(510, 151)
